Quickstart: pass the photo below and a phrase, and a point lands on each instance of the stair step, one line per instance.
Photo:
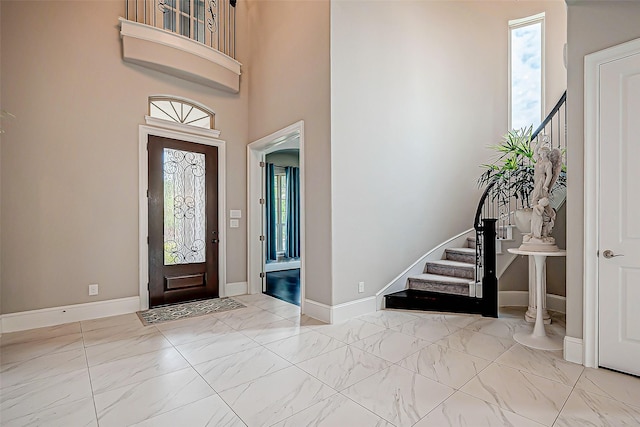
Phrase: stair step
(411, 299)
(440, 284)
(445, 267)
(461, 254)
(471, 242)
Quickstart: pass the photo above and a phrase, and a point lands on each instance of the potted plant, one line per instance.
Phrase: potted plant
(513, 174)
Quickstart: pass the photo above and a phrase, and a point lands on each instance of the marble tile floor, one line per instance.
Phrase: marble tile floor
(265, 365)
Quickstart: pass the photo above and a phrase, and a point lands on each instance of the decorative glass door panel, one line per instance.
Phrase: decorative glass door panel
(185, 220)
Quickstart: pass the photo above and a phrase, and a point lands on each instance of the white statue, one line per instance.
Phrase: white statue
(548, 220)
(545, 174)
(542, 219)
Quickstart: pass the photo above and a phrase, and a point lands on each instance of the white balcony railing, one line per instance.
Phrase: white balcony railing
(210, 22)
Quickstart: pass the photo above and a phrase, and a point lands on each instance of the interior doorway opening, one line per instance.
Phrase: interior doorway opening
(276, 215)
(282, 222)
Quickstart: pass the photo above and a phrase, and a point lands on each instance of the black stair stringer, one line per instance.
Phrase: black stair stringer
(411, 299)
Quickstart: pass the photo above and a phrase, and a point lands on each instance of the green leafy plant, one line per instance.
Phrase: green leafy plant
(512, 170)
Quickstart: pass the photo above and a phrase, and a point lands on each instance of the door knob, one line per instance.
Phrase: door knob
(608, 254)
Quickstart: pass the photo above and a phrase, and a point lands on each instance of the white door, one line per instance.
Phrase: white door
(619, 224)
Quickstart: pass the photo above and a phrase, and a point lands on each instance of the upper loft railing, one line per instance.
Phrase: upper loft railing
(494, 214)
(210, 22)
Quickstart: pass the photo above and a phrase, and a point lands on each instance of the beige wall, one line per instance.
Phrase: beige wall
(419, 89)
(592, 26)
(557, 266)
(70, 159)
(289, 81)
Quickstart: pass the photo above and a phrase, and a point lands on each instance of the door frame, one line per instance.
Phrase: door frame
(186, 133)
(255, 153)
(592, 64)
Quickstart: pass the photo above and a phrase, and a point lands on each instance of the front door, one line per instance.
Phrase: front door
(619, 227)
(183, 221)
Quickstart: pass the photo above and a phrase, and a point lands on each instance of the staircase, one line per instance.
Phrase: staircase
(445, 285)
(465, 280)
(452, 275)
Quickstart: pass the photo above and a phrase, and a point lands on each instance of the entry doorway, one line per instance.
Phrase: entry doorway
(272, 262)
(183, 221)
(190, 134)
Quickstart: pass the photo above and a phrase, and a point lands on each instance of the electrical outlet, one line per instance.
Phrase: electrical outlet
(93, 289)
(361, 287)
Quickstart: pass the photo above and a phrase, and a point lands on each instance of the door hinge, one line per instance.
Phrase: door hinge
(262, 238)
(262, 275)
(147, 240)
(147, 285)
(262, 201)
(147, 193)
(598, 253)
(262, 164)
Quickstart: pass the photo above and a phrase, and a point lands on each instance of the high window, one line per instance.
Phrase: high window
(526, 71)
(181, 111)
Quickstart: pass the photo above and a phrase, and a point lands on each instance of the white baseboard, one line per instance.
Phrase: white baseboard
(573, 350)
(348, 310)
(340, 312)
(236, 288)
(557, 303)
(317, 310)
(521, 299)
(23, 320)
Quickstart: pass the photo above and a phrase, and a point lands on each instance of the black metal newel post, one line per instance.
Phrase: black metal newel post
(489, 279)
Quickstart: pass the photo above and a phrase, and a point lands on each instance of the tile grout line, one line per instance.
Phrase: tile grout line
(86, 360)
(555, 420)
(198, 374)
(259, 345)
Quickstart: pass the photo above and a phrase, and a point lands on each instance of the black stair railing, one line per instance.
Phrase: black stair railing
(494, 213)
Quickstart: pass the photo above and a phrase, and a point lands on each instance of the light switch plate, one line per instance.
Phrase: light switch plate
(235, 213)
(234, 223)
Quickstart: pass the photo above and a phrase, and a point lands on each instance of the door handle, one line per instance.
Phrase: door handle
(608, 254)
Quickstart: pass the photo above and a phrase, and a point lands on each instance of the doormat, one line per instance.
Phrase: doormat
(187, 310)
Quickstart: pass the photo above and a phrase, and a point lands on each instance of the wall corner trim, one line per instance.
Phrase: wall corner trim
(317, 310)
(340, 312)
(573, 350)
(236, 288)
(52, 316)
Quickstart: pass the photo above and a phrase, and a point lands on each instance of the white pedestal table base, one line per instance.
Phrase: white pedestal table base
(538, 339)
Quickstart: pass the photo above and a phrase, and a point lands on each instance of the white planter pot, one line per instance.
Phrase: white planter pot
(523, 220)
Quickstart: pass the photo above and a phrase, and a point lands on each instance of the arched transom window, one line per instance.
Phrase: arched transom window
(181, 111)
